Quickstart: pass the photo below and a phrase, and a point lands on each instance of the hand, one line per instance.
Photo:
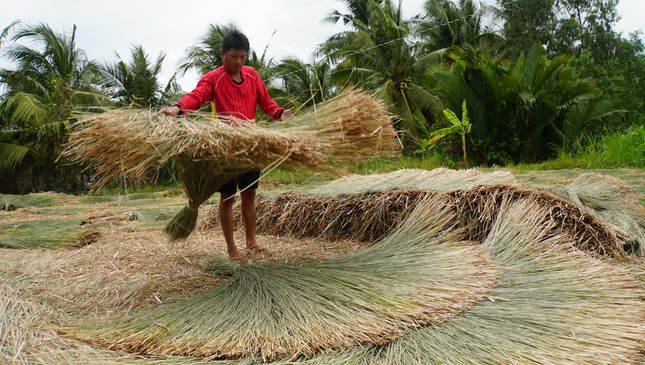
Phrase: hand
(287, 114)
(172, 111)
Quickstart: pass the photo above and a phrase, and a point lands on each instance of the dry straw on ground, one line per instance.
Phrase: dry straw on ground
(440, 179)
(370, 211)
(552, 302)
(350, 127)
(422, 273)
(126, 271)
(552, 305)
(611, 200)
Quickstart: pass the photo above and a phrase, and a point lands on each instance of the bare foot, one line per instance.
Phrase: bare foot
(257, 249)
(236, 256)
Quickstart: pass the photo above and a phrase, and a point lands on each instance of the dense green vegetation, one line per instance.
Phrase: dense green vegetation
(556, 84)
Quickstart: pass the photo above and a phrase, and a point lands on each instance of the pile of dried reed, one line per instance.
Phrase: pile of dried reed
(130, 268)
(440, 179)
(422, 273)
(42, 233)
(12, 202)
(365, 218)
(551, 305)
(369, 217)
(612, 201)
(25, 338)
(128, 142)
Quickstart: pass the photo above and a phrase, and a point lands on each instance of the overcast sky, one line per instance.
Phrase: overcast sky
(168, 26)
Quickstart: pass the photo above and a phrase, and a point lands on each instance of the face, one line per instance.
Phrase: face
(233, 59)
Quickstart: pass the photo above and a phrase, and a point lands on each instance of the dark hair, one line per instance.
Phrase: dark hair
(235, 39)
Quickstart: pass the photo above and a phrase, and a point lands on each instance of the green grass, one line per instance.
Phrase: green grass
(12, 202)
(124, 199)
(51, 233)
(611, 150)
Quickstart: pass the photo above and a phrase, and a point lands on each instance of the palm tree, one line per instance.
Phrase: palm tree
(447, 23)
(48, 82)
(5, 32)
(378, 54)
(137, 82)
(360, 12)
(205, 56)
(305, 83)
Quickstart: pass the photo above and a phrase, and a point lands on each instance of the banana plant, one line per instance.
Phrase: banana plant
(462, 127)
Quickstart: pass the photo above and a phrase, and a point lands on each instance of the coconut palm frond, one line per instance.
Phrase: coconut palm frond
(12, 155)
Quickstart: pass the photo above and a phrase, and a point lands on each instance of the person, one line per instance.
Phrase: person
(234, 91)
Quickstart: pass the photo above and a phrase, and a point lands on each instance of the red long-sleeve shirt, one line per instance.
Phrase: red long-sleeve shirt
(232, 99)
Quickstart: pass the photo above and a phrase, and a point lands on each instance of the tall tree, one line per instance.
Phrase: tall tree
(519, 109)
(5, 32)
(586, 25)
(620, 78)
(57, 73)
(360, 12)
(447, 23)
(49, 80)
(137, 82)
(378, 53)
(527, 22)
(305, 83)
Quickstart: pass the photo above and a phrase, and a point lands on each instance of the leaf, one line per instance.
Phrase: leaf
(11, 155)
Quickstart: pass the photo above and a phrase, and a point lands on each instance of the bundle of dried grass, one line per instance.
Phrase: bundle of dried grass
(422, 273)
(369, 217)
(10, 202)
(611, 200)
(350, 127)
(480, 207)
(42, 233)
(544, 310)
(24, 338)
(440, 179)
(365, 218)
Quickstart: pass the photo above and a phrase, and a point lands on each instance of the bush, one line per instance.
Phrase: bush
(611, 150)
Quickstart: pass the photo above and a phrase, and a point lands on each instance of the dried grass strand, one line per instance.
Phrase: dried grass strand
(421, 273)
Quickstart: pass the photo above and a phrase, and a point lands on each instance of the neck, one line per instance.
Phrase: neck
(236, 75)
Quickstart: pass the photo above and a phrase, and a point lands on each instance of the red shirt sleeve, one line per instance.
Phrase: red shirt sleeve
(202, 94)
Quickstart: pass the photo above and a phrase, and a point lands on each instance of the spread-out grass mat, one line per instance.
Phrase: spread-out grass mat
(422, 273)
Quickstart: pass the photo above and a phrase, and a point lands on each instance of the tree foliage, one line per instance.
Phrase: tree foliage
(378, 54)
(137, 83)
(519, 109)
(50, 79)
(557, 73)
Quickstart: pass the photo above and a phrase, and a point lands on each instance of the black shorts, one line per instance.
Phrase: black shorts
(247, 180)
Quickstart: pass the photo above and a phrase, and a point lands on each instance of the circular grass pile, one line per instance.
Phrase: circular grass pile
(421, 273)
